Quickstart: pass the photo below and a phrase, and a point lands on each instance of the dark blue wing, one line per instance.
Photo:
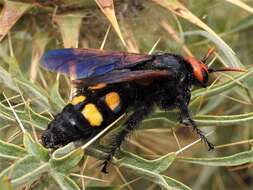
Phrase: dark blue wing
(123, 76)
(86, 63)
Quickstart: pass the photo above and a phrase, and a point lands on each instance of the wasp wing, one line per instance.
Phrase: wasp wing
(123, 76)
(86, 63)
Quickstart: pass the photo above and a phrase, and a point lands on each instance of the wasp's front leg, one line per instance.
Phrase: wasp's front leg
(186, 119)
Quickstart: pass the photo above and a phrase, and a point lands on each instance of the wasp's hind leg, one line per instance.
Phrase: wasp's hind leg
(140, 112)
(188, 121)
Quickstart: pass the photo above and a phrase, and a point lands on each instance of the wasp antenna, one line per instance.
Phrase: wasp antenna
(208, 54)
(226, 69)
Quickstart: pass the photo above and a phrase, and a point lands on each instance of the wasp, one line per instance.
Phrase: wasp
(113, 83)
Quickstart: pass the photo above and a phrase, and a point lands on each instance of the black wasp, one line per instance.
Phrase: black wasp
(113, 83)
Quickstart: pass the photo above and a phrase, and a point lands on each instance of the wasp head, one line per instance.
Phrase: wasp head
(201, 70)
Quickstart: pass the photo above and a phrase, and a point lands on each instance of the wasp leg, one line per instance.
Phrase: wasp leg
(188, 121)
(141, 111)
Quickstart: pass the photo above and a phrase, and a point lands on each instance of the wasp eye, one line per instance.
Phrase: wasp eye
(205, 76)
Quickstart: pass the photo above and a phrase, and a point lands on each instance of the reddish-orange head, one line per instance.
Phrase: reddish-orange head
(201, 70)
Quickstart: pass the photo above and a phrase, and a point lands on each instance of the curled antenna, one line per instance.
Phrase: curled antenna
(209, 53)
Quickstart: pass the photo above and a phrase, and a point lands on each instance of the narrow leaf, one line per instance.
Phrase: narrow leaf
(11, 13)
(31, 176)
(242, 5)
(65, 182)
(219, 88)
(222, 120)
(163, 181)
(35, 148)
(174, 184)
(179, 9)
(229, 54)
(101, 188)
(150, 169)
(55, 97)
(243, 24)
(157, 165)
(63, 151)
(5, 183)
(233, 160)
(25, 170)
(11, 151)
(40, 41)
(37, 120)
(69, 25)
(207, 120)
(107, 7)
(32, 90)
(6, 80)
(67, 162)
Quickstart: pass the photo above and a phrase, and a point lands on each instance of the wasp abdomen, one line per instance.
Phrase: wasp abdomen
(113, 101)
(83, 116)
(78, 99)
(92, 115)
(101, 110)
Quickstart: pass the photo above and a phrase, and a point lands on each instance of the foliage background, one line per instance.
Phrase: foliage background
(28, 28)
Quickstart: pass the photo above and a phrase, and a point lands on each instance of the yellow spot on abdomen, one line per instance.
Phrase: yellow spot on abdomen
(98, 86)
(78, 99)
(112, 100)
(93, 116)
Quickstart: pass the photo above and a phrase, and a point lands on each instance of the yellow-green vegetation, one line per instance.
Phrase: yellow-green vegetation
(161, 154)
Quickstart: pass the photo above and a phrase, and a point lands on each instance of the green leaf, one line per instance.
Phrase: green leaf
(5, 183)
(222, 120)
(69, 24)
(243, 24)
(157, 165)
(33, 91)
(40, 40)
(63, 151)
(37, 120)
(220, 88)
(233, 160)
(25, 170)
(163, 181)
(6, 80)
(174, 184)
(57, 102)
(67, 162)
(150, 169)
(207, 120)
(65, 182)
(209, 106)
(170, 117)
(14, 68)
(11, 151)
(35, 148)
(11, 13)
(225, 49)
(249, 84)
(100, 188)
